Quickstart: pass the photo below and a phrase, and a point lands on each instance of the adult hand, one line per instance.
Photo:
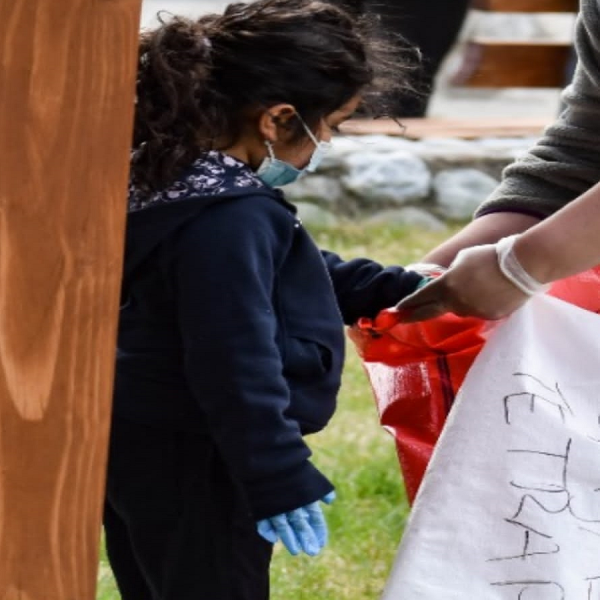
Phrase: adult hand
(472, 286)
(301, 530)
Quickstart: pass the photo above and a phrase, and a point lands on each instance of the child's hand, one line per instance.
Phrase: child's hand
(428, 272)
(300, 530)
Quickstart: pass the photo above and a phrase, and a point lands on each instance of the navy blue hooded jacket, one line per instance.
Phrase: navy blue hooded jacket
(232, 324)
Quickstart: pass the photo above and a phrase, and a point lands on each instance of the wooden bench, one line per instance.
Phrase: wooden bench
(505, 63)
(428, 127)
(497, 63)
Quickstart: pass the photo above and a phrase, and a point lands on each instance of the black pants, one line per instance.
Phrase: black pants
(430, 25)
(177, 526)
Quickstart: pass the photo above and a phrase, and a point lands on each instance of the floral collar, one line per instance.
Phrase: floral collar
(215, 173)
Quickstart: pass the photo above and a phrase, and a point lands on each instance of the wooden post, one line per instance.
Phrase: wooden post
(67, 70)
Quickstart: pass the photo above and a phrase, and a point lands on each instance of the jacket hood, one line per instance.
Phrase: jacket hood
(153, 218)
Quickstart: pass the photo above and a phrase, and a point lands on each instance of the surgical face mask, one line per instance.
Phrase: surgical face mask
(275, 172)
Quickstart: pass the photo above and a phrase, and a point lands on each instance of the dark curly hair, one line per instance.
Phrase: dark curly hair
(198, 80)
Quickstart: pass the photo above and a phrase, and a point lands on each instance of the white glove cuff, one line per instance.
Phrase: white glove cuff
(513, 270)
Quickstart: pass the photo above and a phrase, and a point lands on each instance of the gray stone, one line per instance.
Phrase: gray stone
(395, 178)
(449, 154)
(460, 191)
(382, 144)
(315, 188)
(347, 146)
(409, 216)
(489, 155)
(506, 148)
(315, 216)
(475, 150)
(442, 146)
(343, 147)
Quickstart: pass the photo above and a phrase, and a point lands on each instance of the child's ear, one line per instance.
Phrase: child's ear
(274, 122)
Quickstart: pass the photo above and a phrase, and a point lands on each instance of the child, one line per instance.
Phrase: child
(231, 331)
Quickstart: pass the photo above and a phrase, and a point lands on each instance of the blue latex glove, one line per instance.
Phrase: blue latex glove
(300, 530)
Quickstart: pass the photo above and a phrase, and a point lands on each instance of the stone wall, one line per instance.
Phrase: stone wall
(393, 180)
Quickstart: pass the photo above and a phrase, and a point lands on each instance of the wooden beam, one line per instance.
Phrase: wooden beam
(498, 64)
(527, 6)
(66, 103)
(446, 128)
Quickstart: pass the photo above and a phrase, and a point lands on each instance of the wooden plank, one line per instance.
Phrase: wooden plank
(446, 128)
(498, 64)
(66, 103)
(527, 6)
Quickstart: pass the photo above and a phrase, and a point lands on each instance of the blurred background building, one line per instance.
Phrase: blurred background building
(448, 101)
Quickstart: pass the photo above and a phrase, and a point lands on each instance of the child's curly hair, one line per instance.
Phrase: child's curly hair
(200, 80)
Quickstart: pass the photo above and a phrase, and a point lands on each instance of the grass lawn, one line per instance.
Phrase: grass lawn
(367, 519)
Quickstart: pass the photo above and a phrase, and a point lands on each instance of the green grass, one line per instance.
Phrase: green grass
(367, 519)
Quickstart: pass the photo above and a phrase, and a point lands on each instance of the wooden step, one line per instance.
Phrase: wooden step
(528, 6)
(500, 64)
(447, 128)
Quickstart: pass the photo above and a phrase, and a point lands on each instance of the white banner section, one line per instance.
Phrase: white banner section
(510, 506)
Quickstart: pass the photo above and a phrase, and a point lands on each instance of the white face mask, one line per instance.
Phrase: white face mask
(275, 172)
(321, 149)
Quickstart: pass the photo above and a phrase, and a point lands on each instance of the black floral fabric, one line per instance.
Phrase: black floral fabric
(212, 174)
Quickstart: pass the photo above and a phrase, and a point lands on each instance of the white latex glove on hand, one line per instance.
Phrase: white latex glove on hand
(473, 286)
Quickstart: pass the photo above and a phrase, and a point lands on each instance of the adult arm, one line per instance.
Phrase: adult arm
(563, 245)
(487, 229)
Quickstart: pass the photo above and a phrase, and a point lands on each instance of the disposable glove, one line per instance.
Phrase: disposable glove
(301, 530)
